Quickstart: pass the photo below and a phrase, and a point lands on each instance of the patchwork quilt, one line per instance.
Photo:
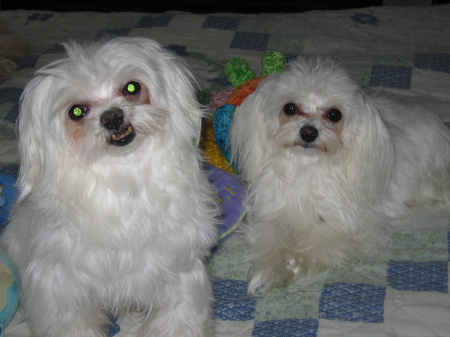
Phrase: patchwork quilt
(404, 290)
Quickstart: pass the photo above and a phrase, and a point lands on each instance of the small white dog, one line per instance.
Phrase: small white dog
(114, 211)
(327, 166)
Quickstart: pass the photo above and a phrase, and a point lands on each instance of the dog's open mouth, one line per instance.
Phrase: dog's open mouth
(124, 137)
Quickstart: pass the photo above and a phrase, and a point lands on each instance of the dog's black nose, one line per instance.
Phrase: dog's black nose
(309, 133)
(112, 119)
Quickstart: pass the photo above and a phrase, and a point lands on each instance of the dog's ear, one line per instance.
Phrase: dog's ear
(176, 83)
(31, 147)
(39, 132)
(370, 154)
(183, 89)
(250, 136)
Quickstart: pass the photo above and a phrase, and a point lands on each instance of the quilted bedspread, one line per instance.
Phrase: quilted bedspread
(404, 290)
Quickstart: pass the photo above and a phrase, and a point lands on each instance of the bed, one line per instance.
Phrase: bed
(404, 290)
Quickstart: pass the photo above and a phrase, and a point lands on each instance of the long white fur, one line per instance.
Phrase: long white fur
(311, 208)
(99, 229)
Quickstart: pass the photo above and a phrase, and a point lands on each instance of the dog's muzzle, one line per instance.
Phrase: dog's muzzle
(121, 133)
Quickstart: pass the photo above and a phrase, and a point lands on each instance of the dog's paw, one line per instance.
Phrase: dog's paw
(297, 265)
(276, 273)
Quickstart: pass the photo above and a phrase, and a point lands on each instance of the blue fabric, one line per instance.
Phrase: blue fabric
(250, 41)
(435, 62)
(7, 197)
(221, 22)
(391, 76)
(352, 302)
(232, 303)
(287, 328)
(418, 276)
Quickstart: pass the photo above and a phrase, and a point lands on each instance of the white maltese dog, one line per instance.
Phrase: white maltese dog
(114, 211)
(327, 166)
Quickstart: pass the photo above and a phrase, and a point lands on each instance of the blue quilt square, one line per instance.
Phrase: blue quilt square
(418, 276)
(287, 328)
(232, 303)
(150, 21)
(391, 76)
(221, 22)
(109, 33)
(250, 41)
(349, 302)
(435, 62)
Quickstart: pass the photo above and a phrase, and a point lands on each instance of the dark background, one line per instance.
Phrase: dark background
(195, 6)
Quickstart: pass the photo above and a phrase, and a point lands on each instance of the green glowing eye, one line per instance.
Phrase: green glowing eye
(132, 88)
(77, 112)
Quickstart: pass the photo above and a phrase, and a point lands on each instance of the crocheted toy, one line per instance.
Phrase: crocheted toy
(217, 127)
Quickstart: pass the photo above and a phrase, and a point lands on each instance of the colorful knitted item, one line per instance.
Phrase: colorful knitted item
(216, 128)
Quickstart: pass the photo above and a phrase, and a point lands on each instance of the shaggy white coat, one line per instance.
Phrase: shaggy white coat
(100, 229)
(314, 205)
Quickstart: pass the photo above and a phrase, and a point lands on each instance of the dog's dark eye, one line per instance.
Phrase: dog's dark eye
(131, 88)
(334, 115)
(290, 109)
(77, 112)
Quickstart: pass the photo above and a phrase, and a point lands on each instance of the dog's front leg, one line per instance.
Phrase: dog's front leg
(185, 310)
(57, 307)
(275, 256)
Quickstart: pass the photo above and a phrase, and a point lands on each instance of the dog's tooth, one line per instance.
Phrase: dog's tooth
(123, 134)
